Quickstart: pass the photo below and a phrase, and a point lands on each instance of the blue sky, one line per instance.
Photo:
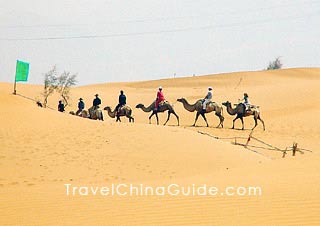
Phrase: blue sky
(120, 40)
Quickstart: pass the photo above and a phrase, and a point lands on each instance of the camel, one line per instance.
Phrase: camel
(166, 106)
(83, 114)
(95, 114)
(197, 106)
(240, 111)
(124, 111)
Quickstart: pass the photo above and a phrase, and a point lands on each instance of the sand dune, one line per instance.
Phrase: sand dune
(42, 149)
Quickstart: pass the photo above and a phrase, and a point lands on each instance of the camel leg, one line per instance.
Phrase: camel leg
(157, 118)
(255, 122)
(205, 119)
(167, 118)
(241, 118)
(197, 116)
(221, 120)
(130, 118)
(151, 117)
(264, 128)
(234, 121)
(176, 117)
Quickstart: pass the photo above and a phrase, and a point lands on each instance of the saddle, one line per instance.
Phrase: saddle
(121, 108)
(208, 105)
(251, 109)
(163, 102)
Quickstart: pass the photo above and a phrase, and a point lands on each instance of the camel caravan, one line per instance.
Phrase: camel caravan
(161, 105)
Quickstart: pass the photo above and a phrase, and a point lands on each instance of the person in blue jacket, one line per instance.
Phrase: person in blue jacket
(96, 102)
(80, 106)
(61, 106)
(122, 101)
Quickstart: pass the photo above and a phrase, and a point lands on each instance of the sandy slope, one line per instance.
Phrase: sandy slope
(41, 150)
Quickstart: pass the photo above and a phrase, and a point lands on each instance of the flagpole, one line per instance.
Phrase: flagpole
(15, 86)
(15, 81)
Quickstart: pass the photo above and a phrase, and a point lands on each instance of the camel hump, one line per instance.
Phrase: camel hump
(211, 103)
(126, 108)
(255, 108)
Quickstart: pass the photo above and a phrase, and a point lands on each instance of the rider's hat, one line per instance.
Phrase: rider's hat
(160, 87)
(97, 95)
(245, 94)
(80, 98)
(210, 88)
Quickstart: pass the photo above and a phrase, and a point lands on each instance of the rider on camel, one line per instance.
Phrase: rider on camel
(160, 98)
(207, 99)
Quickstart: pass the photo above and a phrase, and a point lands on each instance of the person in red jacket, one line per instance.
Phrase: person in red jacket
(160, 98)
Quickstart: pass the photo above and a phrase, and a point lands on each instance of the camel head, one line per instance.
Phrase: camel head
(181, 99)
(139, 106)
(107, 108)
(227, 103)
(72, 113)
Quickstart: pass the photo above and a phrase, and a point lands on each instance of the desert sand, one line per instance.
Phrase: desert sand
(41, 150)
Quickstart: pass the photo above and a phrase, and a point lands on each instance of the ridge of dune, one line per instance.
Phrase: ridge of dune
(43, 149)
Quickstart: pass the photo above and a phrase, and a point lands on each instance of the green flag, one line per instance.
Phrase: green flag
(22, 71)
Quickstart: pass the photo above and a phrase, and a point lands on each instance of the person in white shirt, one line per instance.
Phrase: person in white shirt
(207, 99)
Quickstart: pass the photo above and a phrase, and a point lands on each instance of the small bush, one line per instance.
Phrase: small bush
(274, 65)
